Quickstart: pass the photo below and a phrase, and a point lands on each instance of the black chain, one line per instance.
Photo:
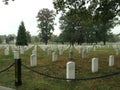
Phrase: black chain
(60, 78)
(7, 68)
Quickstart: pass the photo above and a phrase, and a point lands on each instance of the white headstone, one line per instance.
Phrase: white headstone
(33, 60)
(35, 48)
(83, 54)
(34, 52)
(6, 51)
(70, 54)
(21, 49)
(94, 65)
(54, 56)
(94, 48)
(70, 70)
(60, 51)
(16, 54)
(111, 60)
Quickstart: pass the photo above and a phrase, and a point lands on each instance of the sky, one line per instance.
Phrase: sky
(23, 10)
(26, 10)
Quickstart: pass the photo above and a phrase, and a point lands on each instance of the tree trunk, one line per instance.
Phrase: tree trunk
(46, 42)
(104, 42)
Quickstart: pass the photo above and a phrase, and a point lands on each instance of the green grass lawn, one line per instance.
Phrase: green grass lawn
(33, 81)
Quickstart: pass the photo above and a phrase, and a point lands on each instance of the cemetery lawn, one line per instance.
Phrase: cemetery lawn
(33, 81)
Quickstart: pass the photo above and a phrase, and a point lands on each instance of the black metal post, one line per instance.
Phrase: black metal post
(18, 81)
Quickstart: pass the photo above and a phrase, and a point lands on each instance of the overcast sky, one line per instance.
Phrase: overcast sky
(22, 10)
(25, 10)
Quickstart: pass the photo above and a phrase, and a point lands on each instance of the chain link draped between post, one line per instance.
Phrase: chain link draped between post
(7, 68)
(77, 79)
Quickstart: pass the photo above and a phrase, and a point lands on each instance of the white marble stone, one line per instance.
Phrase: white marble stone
(6, 51)
(21, 49)
(83, 54)
(33, 60)
(71, 54)
(54, 56)
(94, 65)
(16, 54)
(111, 60)
(60, 51)
(70, 70)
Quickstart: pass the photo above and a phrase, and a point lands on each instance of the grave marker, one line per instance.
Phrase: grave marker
(16, 54)
(83, 54)
(6, 51)
(94, 65)
(111, 60)
(54, 56)
(70, 70)
(33, 60)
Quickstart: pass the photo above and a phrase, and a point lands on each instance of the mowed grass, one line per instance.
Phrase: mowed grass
(33, 81)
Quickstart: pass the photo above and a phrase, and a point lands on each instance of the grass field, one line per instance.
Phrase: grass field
(33, 81)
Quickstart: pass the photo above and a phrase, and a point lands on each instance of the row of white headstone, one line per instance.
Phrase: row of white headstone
(70, 66)
(16, 48)
(70, 70)
(33, 57)
(53, 48)
(85, 49)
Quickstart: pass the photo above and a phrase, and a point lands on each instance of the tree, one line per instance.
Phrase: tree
(74, 23)
(21, 36)
(10, 38)
(102, 13)
(28, 35)
(46, 24)
(105, 12)
(35, 39)
(7, 1)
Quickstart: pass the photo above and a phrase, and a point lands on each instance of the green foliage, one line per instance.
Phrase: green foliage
(10, 38)
(6, 1)
(45, 24)
(100, 15)
(21, 36)
(35, 39)
(113, 37)
(74, 23)
(28, 35)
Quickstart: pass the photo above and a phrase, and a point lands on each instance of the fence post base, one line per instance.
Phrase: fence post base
(18, 81)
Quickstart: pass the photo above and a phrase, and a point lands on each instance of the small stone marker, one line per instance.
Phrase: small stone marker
(54, 56)
(16, 54)
(70, 54)
(6, 51)
(33, 60)
(34, 52)
(60, 51)
(70, 70)
(111, 60)
(83, 54)
(94, 65)
(21, 49)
